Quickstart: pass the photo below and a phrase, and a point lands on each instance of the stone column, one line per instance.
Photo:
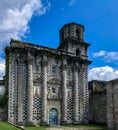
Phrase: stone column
(30, 93)
(64, 95)
(20, 92)
(44, 94)
(75, 96)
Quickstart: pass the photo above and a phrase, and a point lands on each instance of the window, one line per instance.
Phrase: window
(53, 90)
(37, 67)
(78, 33)
(53, 69)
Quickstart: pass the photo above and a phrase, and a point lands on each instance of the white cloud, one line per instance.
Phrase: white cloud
(104, 73)
(2, 67)
(15, 16)
(107, 56)
(99, 54)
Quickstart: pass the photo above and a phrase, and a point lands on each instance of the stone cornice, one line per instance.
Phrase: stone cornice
(25, 47)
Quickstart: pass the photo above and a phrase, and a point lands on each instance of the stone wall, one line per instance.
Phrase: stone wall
(97, 102)
(112, 104)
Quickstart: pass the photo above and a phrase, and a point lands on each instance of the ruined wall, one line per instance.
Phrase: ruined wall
(112, 104)
(97, 102)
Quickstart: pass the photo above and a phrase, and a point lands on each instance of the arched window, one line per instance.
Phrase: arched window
(78, 52)
(53, 90)
(78, 33)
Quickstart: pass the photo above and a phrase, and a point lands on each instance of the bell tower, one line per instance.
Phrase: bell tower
(72, 40)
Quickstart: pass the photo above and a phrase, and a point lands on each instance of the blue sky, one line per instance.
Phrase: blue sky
(39, 21)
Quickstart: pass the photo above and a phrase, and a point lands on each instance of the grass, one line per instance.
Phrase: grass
(6, 126)
(79, 127)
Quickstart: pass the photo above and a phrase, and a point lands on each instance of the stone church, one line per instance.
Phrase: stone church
(49, 86)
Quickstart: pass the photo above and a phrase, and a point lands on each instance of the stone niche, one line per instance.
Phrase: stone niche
(54, 91)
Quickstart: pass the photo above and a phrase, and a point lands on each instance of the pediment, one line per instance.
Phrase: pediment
(54, 81)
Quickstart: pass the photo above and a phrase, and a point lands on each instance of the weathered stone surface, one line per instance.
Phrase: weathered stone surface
(97, 102)
(112, 104)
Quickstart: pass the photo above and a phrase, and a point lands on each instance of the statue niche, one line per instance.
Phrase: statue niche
(54, 91)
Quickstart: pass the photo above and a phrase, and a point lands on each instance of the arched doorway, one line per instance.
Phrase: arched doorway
(53, 117)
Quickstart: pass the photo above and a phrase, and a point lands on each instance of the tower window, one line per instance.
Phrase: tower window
(78, 33)
(53, 90)
(53, 69)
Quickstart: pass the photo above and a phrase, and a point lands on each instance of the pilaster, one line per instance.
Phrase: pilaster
(64, 94)
(44, 93)
(30, 93)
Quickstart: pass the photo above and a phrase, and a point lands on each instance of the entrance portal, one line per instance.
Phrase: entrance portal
(53, 117)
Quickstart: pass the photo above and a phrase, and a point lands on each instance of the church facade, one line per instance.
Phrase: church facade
(49, 86)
